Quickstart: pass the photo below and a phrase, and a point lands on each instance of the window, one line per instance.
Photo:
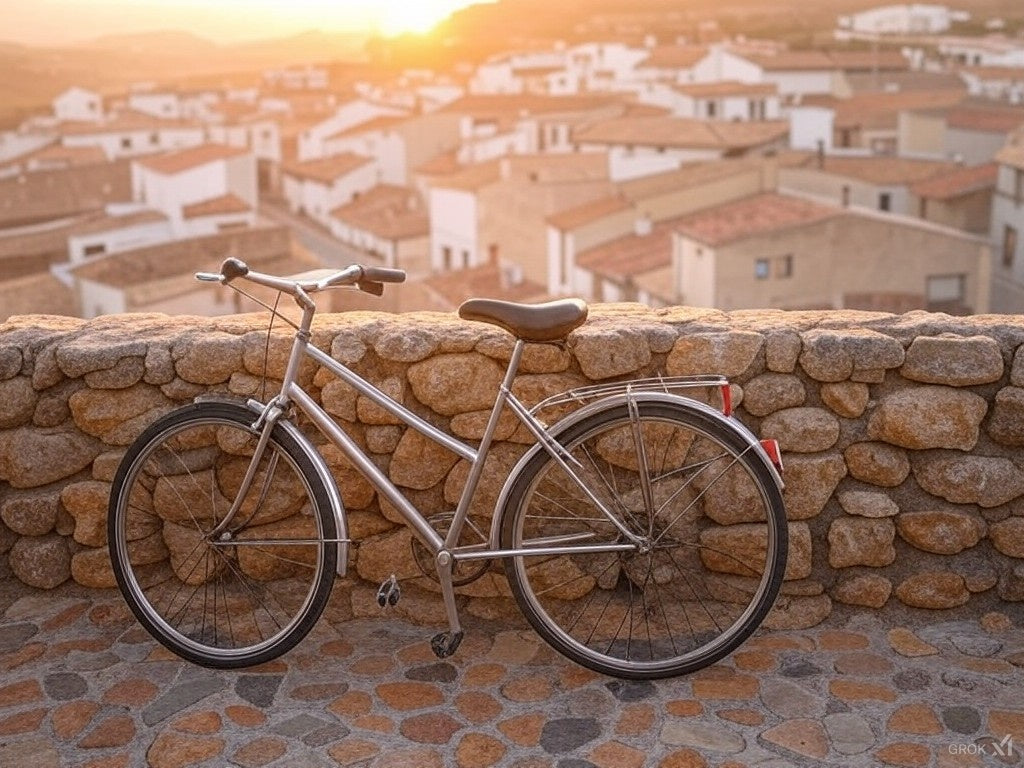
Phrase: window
(762, 269)
(947, 293)
(846, 195)
(784, 266)
(884, 201)
(711, 109)
(95, 249)
(446, 258)
(154, 138)
(126, 142)
(1018, 185)
(1009, 245)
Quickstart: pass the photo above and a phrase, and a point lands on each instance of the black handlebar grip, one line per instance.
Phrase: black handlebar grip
(383, 275)
(232, 268)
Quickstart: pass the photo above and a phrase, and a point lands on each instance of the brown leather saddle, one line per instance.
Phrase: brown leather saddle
(550, 321)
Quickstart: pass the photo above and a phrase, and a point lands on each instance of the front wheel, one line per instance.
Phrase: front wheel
(251, 592)
(692, 567)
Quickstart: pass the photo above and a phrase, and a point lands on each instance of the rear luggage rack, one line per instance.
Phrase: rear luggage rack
(667, 384)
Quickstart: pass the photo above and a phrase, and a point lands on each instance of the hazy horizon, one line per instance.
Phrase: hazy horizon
(43, 23)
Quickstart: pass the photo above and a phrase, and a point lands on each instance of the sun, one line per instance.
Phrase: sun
(416, 16)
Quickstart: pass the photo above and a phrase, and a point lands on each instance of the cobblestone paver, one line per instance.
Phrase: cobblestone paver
(83, 685)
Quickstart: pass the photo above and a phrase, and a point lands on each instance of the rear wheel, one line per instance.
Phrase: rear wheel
(712, 536)
(249, 593)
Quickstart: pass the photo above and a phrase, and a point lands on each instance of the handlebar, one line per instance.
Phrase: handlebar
(367, 279)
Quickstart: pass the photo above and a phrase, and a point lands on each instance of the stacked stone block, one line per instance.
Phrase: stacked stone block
(901, 434)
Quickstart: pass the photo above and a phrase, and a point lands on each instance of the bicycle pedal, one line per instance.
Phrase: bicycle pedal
(389, 593)
(444, 644)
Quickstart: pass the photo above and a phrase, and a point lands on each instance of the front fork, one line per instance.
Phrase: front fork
(264, 424)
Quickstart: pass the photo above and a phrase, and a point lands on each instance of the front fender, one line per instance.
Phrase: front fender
(728, 422)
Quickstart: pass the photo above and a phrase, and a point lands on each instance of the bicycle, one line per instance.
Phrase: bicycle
(226, 527)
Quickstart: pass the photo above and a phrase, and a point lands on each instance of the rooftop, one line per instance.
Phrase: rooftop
(326, 169)
(755, 215)
(388, 211)
(880, 109)
(186, 159)
(1012, 154)
(588, 212)
(216, 206)
(727, 88)
(108, 223)
(878, 169)
(487, 280)
(674, 56)
(985, 119)
(126, 121)
(957, 182)
(382, 123)
(681, 132)
(633, 254)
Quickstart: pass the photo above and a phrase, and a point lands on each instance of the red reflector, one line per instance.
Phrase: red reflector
(726, 399)
(771, 447)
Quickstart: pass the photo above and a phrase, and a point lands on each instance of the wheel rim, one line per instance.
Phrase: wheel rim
(697, 590)
(247, 591)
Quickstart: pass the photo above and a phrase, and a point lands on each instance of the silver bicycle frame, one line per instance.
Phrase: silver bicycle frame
(292, 393)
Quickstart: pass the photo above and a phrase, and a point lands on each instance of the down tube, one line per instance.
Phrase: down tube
(366, 467)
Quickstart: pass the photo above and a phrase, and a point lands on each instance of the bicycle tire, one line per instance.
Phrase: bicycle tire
(549, 590)
(157, 507)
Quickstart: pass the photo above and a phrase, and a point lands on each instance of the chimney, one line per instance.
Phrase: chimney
(642, 226)
(821, 153)
(505, 168)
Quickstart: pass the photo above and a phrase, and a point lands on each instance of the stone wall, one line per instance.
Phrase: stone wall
(902, 434)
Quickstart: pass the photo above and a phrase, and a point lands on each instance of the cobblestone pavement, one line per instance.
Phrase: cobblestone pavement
(83, 685)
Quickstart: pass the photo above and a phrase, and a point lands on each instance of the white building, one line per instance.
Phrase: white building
(131, 135)
(314, 188)
(728, 101)
(914, 19)
(202, 190)
(1008, 230)
(390, 223)
(121, 229)
(311, 143)
(161, 104)
(991, 51)
(78, 104)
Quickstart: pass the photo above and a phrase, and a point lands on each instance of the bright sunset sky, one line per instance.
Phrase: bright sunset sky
(42, 22)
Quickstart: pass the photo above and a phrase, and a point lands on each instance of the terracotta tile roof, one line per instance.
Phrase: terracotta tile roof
(122, 123)
(327, 169)
(681, 132)
(861, 61)
(1012, 155)
(588, 212)
(985, 120)
(881, 109)
(486, 106)
(961, 181)
(36, 294)
(877, 169)
(187, 159)
(376, 124)
(727, 88)
(470, 178)
(995, 73)
(389, 211)
(128, 269)
(674, 56)
(108, 223)
(756, 215)
(631, 255)
(488, 281)
(67, 156)
(538, 168)
(216, 206)
(440, 165)
(787, 61)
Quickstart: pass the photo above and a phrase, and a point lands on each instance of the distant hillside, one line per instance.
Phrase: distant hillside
(31, 77)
